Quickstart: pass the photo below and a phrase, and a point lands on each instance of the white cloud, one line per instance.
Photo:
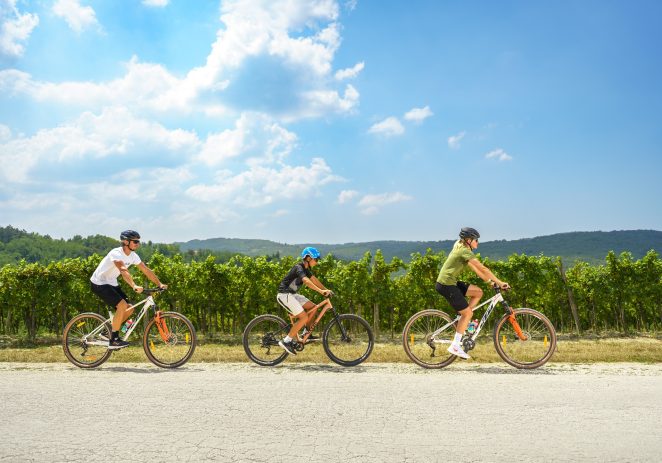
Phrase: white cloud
(15, 28)
(114, 132)
(349, 73)
(346, 196)
(388, 127)
(156, 3)
(295, 39)
(418, 114)
(5, 133)
(454, 140)
(78, 17)
(261, 185)
(255, 135)
(498, 154)
(370, 204)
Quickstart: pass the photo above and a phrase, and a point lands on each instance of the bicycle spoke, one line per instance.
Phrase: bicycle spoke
(80, 346)
(419, 343)
(261, 340)
(535, 349)
(348, 340)
(173, 344)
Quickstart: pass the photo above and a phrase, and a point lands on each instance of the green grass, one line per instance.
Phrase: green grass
(640, 349)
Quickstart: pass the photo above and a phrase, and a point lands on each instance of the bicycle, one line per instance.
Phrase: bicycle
(347, 338)
(523, 338)
(168, 339)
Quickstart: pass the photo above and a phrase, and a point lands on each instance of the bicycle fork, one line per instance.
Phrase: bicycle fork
(162, 327)
(513, 321)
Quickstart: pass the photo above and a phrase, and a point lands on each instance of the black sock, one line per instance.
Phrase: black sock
(115, 335)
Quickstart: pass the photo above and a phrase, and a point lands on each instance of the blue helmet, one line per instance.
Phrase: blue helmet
(310, 251)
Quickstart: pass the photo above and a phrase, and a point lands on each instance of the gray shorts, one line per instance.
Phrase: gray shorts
(293, 303)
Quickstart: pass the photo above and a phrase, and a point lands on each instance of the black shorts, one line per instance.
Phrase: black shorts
(454, 294)
(111, 295)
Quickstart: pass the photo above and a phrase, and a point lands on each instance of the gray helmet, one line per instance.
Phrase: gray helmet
(129, 235)
(469, 233)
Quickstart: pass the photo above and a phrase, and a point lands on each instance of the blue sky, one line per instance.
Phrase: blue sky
(329, 121)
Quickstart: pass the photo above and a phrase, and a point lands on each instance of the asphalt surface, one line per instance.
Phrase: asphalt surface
(326, 413)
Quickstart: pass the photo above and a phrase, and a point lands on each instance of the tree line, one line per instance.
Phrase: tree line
(622, 294)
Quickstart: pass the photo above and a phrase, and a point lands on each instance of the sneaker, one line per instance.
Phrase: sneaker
(287, 346)
(457, 350)
(114, 344)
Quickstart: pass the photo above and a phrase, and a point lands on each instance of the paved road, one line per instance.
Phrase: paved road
(301, 413)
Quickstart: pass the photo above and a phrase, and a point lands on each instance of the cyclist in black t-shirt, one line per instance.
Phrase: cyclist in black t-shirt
(298, 305)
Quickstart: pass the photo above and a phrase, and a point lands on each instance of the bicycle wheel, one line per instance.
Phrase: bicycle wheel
(173, 344)
(82, 349)
(261, 338)
(348, 340)
(421, 346)
(537, 347)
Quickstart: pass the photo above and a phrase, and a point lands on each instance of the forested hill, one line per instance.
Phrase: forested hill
(587, 246)
(591, 247)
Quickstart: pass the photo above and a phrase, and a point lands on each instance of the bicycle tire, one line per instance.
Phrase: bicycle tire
(178, 348)
(342, 350)
(536, 350)
(76, 350)
(417, 343)
(261, 337)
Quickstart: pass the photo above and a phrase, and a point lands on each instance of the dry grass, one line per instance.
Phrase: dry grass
(646, 350)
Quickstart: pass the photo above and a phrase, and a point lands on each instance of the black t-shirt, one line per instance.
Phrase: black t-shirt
(294, 279)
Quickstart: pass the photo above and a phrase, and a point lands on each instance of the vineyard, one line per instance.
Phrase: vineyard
(622, 294)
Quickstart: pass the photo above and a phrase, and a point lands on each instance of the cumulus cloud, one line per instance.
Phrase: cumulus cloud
(114, 132)
(454, 140)
(370, 204)
(499, 154)
(346, 196)
(262, 185)
(15, 28)
(418, 114)
(349, 73)
(78, 17)
(390, 126)
(293, 41)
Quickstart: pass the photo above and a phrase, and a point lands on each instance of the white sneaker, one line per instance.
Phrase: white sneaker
(455, 349)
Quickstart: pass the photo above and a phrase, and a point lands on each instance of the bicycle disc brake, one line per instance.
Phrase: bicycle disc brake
(430, 342)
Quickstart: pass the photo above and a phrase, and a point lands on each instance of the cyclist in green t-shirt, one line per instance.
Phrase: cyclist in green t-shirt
(456, 291)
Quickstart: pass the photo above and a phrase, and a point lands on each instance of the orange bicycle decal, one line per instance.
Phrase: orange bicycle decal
(162, 327)
(516, 327)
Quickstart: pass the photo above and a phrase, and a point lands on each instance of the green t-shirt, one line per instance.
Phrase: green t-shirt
(456, 262)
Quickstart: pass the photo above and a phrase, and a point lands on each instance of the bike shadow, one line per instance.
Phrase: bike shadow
(146, 369)
(508, 370)
(320, 367)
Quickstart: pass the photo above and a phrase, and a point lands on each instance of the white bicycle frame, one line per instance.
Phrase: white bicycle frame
(493, 301)
(146, 303)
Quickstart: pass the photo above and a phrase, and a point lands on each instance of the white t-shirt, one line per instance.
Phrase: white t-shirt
(107, 272)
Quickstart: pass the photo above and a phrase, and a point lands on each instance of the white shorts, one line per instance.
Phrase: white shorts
(293, 303)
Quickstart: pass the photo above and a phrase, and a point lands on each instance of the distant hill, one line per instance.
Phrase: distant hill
(590, 247)
(587, 246)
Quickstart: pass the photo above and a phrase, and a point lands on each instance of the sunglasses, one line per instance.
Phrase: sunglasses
(135, 241)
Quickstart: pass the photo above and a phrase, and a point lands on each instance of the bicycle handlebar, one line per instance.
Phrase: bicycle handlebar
(149, 291)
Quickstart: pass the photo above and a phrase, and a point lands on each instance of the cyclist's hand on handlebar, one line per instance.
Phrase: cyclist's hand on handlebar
(327, 293)
(138, 289)
(504, 286)
(163, 287)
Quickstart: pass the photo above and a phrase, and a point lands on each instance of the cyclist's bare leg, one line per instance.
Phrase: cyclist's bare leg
(298, 325)
(122, 312)
(474, 293)
(310, 309)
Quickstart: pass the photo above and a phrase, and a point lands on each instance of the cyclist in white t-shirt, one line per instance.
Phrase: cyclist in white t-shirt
(104, 281)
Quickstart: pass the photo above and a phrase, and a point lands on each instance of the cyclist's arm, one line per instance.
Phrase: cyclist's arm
(124, 271)
(484, 273)
(150, 274)
(317, 282)
(311, 284)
